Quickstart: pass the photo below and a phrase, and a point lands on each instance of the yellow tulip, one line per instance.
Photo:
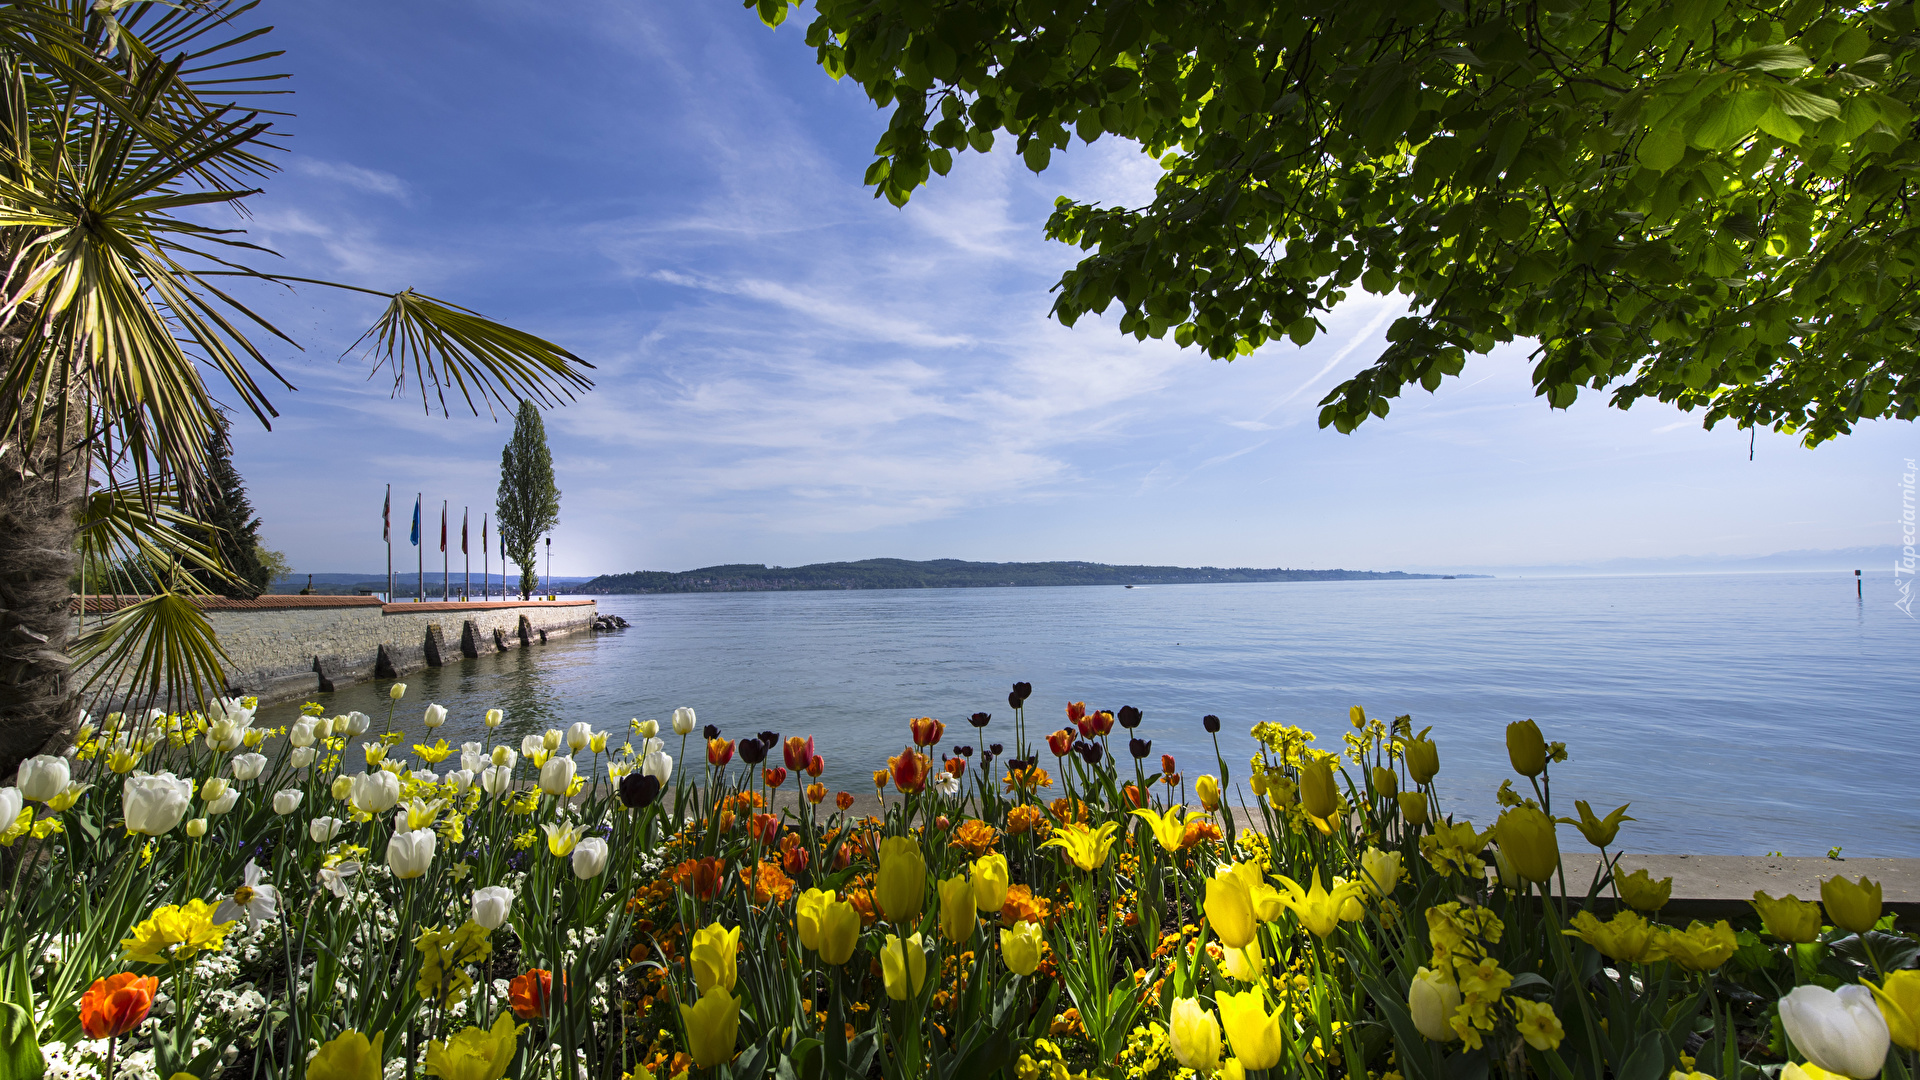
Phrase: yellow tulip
(807, 910)
(1208, 791)
(1788, 918)
(1167, 828)
(1626, 937)
(1809, 1071)
(1020, 947)
(1526, 837)
(1849, 906)
(1317, 909)
(1641, 892)
(990, 882)
(347, 1056)
(1195, 1036)
(903, 967)
(1899, 999)
(1423, 757)
(1432, 998)
(1229, 907)
(1246, 965)
(1413, 807)
(562, 839)
(1380, 870)
(1087, 847)
(713, 1024)
(1253, 1031)
(715, 954)
(839, 932)
(1318, 796)
(1386, 782)
(1233, 1070)
(957, 913)
(1700, 947)
(1599, 831)
(902, 886)
(474, 1054)
(1526, 749)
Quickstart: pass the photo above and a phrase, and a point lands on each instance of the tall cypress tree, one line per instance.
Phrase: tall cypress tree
(528, 503)
(227, 509)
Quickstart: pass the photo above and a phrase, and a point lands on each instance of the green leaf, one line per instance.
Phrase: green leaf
(1729, 119)
(1662, 149)
(1781, 126)
(1036, 155)
(1796, 102)
(1774, 58)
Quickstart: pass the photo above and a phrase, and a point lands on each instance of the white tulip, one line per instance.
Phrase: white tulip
(650, 746)
(683, 721)
(436, 715)
(323, 727)
(556, 776)
(493, 718)
(461, 779)
(505, 755)
(579, 735)
(552, 738)
(224, 803)
(153, 804)
(531, 744)
(397, 691)
(43, 777)
(657, 765)
(197, 828)
(11, 803)
(248, 766)
(375, 792)
(302, 757)
(287, 801)
(215, 788)
(496, 780)
(223, 736)
(324, 829)
(301, 733)
(354, 723)
(425, 776)
(491, 905)
(646, 729)
(409, 854)
(589, 858)
(472, 760)
(1841, 1032)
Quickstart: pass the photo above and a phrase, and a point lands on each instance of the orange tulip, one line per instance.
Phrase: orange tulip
(816, 765)
(816, 792)
(1076, 710)
(528, 993)
(708, 874)
(1134, 798)
(910, 770)
(115, 1005)
(774, 776)
(1061, 742)
(844, 800)
(879, 779)
(799, 752)
(793, 856)
(926, 731)
(1096, 723)
(766, 829)
(956, 765)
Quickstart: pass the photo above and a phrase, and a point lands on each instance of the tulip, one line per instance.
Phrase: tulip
(1208, 791)
(496, 780)
(562, 838)
(152, 804)
(957, 913)
(1526, 837)
(714, 954)
(638, 791)
(1167, 828)
(1020, 947)
(1380, 870)
(1599, 831)
(461, 779)
(1432, 999)
(68, 795)
(990, 883)
(1842, 1032)
(436, 715)
(657, 765)
(354, 723)
(529, 993)
(376, 792)
(1899, 1000)
(1318, 910)
(409, 854)
(1701, 947)
(113, 1006)
(808, 908)
(1626, 937)
(1386, 782)
(302, 757)
(589, 858)
(712, 1023)
(324, 829)
(1195, 1035)
(1788, 918)
(1246, 965)
(902, 884)
(532, 744)
(926, 730)
(493, 718)
(248, 766)
(1850, 906)
(491, 905)
(839, 931)
(397, 691)
(1526, 749)
(341, 788)
(1423, 758)
(909, 770)
(41, 778)
(197, 827)
(287, 801)
(1642, 893)
(1086, 847)
(1253, 1031)
(1317, 794)
(903, 967)
(302, 733)
(1413, 807)
(798, 752)
(683, 721)
(1789, 1071)
(579, 735)
(473, 1053)
(1229, 905)
(348, 1056)
(556, 776)
(719, 752)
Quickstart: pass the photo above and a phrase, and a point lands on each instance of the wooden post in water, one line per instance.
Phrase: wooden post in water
(1857, 594)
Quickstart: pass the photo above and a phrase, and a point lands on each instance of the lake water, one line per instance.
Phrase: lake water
(1739, 714)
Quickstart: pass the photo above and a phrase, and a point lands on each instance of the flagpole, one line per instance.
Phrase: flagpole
(467, 591)
(445, 582)
(420, 552)
(386, 533)
(486, 574)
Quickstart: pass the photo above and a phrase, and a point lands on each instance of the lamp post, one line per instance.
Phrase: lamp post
(549, 566)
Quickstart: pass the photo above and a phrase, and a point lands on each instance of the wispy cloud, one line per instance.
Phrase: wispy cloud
(372, 181)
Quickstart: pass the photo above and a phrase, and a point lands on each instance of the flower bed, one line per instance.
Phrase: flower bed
(197, 896)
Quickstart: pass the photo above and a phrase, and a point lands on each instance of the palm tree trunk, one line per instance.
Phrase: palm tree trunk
(40, 491)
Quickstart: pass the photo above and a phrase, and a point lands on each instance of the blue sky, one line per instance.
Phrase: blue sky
(792, 372)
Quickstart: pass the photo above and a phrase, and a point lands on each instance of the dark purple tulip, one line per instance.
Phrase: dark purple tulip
(979, 719)
(963, 751)
(1211, 723)
(1139, 748)
(752, 751)
(1013, 701)
(1023, 691)
(769, 739)
(712, 731)
(639, 790)
(1128, 716)
(1089, 752)
(996, 749)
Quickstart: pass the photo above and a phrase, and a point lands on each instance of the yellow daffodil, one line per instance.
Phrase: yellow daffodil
(1899, 999)
(347, 1056)
(1850, 906)
(1538, 1025)
(176, 932)
(1788, 918)
(421, 814)
(1087, 847)
(1253, 1031)
(715, 954)
(713, 1025)
(991, 879)
(1317, 909)
(902, 885)
(1167, 827)
(903, 967)
(1020, 947)
(1526, 749)
(1642, 893)
(1454, 848)
(444, 956)
(432, 755)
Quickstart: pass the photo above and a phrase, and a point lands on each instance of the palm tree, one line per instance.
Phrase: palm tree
(118, 328)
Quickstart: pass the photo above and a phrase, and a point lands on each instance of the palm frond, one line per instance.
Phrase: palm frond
(448, 347)
(159, 651)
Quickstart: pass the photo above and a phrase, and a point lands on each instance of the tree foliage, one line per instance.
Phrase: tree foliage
(528, 503)
(1707, 202)
(232, 530)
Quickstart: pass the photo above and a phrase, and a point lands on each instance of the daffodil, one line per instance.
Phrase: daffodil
(257, 902)
(176, 932)
(1538, 1025)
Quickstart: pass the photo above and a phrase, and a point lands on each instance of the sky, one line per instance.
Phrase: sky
(788, 371)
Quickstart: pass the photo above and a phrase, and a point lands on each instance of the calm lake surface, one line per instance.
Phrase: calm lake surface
(1739, 714)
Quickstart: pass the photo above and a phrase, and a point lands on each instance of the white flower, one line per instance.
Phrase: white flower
(504, 755)
(646, 729)
(224, 803)
(397, 691)
(531, 744)
(354, 723)
(651, 745)
(197, 827)
(1841, 1032)
(948, 784)
(425, 776)
(222, 736)
(334, 878)
(589, 858)
(683, 721)
(324, 829)
(493, 718)
(556, 776)
(436, 715)
(579, 735)
(287, 800)
(375, 792)
(491, 905)
(259, 903)
(302, 757)
(42, 777)
(497, 780)
(472, 760)
(552, 738)
(153, 804)
(248, 766)
(301, 733)
(323, 726)
(410, 853)
(11, 803)
(461, 779)
(657, 765)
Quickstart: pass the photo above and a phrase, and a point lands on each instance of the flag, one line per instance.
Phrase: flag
(415, 538)
(463, 530)
(386, 517)
(443, 525)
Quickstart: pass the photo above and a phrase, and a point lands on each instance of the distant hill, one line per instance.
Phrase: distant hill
(948, 574)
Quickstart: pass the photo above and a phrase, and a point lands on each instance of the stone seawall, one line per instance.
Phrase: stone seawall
(282, 647)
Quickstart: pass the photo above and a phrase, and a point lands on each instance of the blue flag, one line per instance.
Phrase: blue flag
(415, 538)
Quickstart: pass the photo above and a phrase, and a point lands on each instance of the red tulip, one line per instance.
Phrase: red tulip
(719, 751)
(799, 752)
(927, 731)
(774, 776)
(117, 1004)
